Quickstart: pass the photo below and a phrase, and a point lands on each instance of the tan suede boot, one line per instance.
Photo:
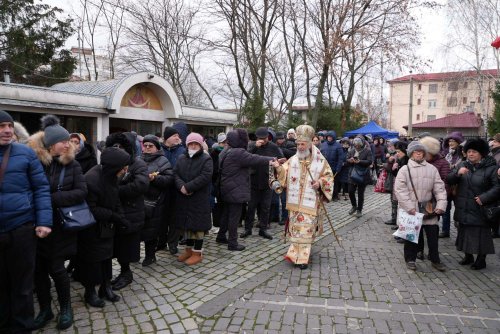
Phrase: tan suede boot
(188, 252)
(194, 259)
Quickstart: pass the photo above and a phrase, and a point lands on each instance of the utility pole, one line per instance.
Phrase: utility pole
(410, 111)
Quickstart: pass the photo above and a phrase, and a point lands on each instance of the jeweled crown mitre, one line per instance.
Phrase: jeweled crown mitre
(305, 133)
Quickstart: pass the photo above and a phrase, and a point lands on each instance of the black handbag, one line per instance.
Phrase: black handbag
(76, 217)
(358, 175)
(491, 213)
(426, 207)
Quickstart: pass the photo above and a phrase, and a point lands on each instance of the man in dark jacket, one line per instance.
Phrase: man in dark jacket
(334, 154)
(173, 148)
(234, 162)
(25, 202)
(289, 148)
(261, 193)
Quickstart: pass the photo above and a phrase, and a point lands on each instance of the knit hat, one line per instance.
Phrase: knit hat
(431, 144)
(53, 131)
(221, 137)
(169, 132)
(280, 135)
(479, 145)
(261, 132)
(153, 140)
(194, 137)
(5, 117)
(402, 146)
(456, 136)
(114, 159)
(415, 146)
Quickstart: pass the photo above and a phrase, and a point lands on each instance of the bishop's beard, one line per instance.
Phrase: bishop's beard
(304, 154)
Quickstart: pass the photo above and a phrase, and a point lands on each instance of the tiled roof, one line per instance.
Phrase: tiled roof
(463, 120)
(444, 76)
(104, 87)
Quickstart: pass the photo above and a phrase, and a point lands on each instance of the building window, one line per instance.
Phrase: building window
(433, 88)
(465, 85)
(418, 117)
(453, 86)
(479, 99)
(419, 101)
(419, 86)
(464, 100)
(432, 103)
(452, 101)
(431, 117)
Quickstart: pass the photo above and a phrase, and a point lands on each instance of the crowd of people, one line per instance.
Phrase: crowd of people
(171, 188)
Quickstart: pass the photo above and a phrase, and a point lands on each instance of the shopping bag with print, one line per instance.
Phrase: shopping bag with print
(409, 225)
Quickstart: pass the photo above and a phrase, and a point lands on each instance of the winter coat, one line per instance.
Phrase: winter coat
(333, 153)
(289, 148)
(343, 175)
(365, 160)
(481, 180)
(132, 188)
(104, 202)
(25, 191)
(215, 160)
(495, 153)
(260, 174)
(193, 211)
(427, 182)
(172, 153)
(380, 151)
(157, 192)
(443, 168)
(72, 191)
(86, 157)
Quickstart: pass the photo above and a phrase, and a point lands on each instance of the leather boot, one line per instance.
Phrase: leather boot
(43, 317)
(65, 318)
(92, 299)
(195, 258)
(125, 279)
(480, 262)
(105, 291)
(468, 259)
(186, 255)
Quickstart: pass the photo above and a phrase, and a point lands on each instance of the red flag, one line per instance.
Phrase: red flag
(496, 43)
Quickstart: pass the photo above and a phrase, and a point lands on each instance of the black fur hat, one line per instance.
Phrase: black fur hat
(120, 139)
(479, 145)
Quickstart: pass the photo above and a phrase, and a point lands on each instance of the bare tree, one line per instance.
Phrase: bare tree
(87, 31)
(113, 12)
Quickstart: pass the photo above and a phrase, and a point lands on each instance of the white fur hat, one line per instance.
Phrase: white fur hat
(431, 144)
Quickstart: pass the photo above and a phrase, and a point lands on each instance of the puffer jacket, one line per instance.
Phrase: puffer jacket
(234, 164)
(193, 211)
(73, 190)
(481, 180)
(333, 152)
(25, 191)
(427, 182)
(443, 168)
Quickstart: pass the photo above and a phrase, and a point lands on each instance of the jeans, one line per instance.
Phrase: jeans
(446, 218)
(361, 195)
(411, 249)
(17, 265)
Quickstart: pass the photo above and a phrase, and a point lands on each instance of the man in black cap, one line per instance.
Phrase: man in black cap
(260, 192)
(25, 207)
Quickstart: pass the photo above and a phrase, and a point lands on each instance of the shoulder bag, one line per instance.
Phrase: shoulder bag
(425, 207)
(358, 175)
(76, 217)
(490, 212)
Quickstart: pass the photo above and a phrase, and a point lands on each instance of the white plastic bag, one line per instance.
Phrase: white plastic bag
(409, 226)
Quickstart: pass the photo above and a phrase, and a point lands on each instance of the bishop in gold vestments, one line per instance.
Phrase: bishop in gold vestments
(304, 195)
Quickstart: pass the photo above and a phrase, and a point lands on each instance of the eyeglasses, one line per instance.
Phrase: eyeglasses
(148, 145)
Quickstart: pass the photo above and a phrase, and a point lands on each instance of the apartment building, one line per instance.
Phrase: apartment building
(438, 95)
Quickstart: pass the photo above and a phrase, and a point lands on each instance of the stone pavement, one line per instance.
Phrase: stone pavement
(362, 287)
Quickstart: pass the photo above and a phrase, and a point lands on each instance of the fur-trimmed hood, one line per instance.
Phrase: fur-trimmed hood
(21, 133)
(36, 143)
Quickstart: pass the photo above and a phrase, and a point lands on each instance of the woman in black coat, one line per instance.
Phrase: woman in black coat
(85, 153)
(234, 164)
(95, 244)
(193, 176)
(132, 187)
(67, 187)
(359, 159)
(478, 185)
(161, 177)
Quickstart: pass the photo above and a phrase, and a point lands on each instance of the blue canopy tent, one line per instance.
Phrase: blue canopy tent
(373, 129)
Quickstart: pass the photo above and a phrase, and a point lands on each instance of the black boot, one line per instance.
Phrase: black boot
(106, 292)
(480, 262)
(92, 299)
(65, 318)
(468, 259)
(43, 317)
(125, 279)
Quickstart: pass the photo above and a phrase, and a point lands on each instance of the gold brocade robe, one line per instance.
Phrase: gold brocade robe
(303, 202)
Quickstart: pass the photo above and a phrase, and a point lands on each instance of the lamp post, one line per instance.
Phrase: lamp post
(410, 111)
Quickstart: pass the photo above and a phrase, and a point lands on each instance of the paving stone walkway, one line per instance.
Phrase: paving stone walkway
(363, 287)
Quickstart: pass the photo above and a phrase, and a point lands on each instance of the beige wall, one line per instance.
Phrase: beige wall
(466, 97)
